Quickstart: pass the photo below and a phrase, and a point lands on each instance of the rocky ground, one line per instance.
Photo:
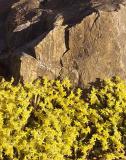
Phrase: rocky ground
(58, 39)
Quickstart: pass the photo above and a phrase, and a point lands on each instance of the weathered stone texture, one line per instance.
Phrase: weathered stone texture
(97, 49)
(50, 50)
(82, 48)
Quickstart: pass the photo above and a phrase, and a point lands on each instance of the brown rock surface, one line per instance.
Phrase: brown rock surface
(26, 68)
(80, 44)
(50, 50)
(97, 48)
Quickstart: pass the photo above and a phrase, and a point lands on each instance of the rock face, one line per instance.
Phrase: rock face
(107, 5)
(50, 50)
(78, 43)
(97, 48)
(21, 22)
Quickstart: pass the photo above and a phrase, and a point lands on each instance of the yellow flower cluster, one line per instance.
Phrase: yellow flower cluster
(48, 120)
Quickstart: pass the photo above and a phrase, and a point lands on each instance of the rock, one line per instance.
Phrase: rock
(107, 5)
(22, 22)
(82, 45)
(48, 52)
(23, 67)
(26, 68)
(97, 48)
(50, 49)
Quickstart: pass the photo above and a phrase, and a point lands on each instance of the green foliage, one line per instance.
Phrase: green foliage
(48, 120)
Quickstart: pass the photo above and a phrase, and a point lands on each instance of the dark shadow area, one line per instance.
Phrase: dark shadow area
(72, 11)
(98, 84)
(5, 6)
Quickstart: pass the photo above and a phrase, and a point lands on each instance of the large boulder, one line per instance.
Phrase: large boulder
(96, 48)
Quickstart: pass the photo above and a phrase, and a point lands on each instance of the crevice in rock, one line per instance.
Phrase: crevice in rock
(67, 39)
(66, 36)
(95, 21)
